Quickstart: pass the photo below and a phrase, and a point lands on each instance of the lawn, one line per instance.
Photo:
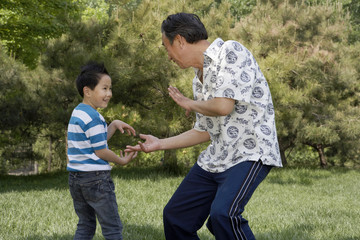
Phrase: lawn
(297, 204)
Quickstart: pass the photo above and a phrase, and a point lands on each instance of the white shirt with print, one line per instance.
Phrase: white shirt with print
(248, 133)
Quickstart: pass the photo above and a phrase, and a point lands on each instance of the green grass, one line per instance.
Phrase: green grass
(291, 204)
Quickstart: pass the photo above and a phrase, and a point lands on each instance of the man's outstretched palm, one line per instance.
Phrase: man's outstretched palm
(151, 144)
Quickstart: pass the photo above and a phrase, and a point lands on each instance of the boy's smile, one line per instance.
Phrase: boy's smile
(101, 95)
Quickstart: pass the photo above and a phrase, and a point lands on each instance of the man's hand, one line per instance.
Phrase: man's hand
(151, 144)
(218, 106)
(180, 99)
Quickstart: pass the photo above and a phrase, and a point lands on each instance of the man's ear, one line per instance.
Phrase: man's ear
(181, 40)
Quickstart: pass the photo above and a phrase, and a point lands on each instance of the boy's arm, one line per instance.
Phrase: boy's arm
(110, 156)
(122, 126)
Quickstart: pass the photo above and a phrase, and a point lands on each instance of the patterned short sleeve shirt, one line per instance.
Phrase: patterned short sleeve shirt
(248, 133)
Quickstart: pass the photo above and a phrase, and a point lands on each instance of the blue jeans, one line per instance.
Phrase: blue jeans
(93, 196)
(220, 196)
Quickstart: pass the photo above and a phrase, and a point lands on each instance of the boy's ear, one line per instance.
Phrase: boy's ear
(86, 91)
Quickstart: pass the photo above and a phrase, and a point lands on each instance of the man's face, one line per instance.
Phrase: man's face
(174, 51)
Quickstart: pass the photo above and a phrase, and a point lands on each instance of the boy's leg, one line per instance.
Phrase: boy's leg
(86, 226)
(102, 199)
(189, 207)
(236, 187)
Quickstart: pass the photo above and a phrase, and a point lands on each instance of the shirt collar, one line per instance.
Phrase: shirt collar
(213, 49)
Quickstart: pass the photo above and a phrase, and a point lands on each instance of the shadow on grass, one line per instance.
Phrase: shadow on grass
(142, 232)
(54, 237)
(139, 173)
(131, 232)
(59, 180)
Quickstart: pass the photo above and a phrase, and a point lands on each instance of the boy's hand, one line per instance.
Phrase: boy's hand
(124, 126)
(127, 157)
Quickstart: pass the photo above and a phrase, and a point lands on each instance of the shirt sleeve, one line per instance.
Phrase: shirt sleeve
(97, 133)
(235, 77)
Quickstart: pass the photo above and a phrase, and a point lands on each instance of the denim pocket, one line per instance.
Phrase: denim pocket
(111, 185)
(97, 190)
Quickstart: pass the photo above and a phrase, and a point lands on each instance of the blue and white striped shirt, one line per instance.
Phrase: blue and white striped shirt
(87, 132)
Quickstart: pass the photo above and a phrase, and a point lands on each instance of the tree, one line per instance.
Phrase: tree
(19, 111)
(354, 9)
(25, 25)
(301, 50)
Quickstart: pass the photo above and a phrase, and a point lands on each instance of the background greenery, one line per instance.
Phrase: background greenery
(309, 51)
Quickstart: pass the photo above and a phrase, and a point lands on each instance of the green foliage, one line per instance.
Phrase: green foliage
(239, 9)
(354, 9)
(26, 24)
(19, 113)
(304, 53)
(307, 50)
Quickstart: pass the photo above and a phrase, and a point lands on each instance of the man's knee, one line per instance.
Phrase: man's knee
(218, 215)
(167, 212)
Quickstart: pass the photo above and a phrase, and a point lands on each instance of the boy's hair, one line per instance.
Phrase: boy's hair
(89, 76)
(187, 25)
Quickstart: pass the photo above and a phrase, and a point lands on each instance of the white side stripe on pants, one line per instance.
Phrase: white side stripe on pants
(235, 218)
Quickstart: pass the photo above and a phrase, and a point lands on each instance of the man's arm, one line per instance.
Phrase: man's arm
(186, 139)
(212, 107)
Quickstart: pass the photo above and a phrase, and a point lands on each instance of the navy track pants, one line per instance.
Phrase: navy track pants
(220, 196)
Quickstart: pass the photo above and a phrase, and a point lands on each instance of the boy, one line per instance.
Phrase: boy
(91, 186)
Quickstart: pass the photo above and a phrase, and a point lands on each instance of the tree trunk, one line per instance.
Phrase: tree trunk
(50, 154)
(3, 166)
(320, 149)
(36, 168)
(283, 147)
(283, 157)
(170, 162)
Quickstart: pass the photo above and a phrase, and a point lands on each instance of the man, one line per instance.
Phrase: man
(234, 111)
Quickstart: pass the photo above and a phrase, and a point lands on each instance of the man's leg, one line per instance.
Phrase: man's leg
(189, 207)
(236, 188)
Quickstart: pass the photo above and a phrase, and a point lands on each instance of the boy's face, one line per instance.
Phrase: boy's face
(100, 96)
